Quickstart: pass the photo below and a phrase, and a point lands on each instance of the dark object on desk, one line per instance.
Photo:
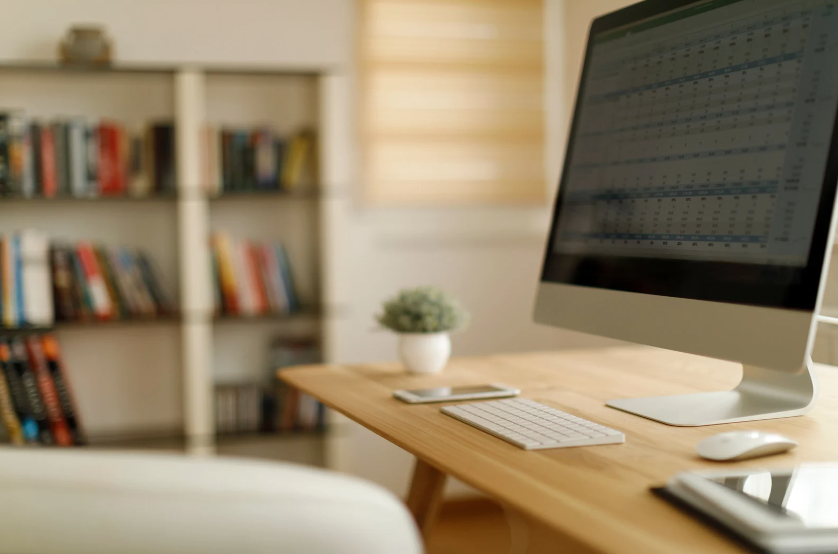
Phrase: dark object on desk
(782, 511)
(85, 45)
(709, 521)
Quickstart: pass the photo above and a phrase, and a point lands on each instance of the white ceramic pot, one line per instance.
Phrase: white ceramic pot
(424, 352)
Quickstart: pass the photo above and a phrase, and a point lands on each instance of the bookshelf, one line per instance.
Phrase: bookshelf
(151, 381)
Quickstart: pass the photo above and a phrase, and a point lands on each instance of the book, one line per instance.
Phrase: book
(265, 160)
(92, 150)
(124, 282)
(28, 184)
(16, 144)
(8, 281)
(35, 155)
(213, 168)
(162, 301)
(95, 281)
(111, 174)
(62, 168)
(55, 416)
(120, 305)
(227, 277)
(62, 282)
(49, 182)
(287, 278)
(139, 181)
(226, 147)
(19, 364)
(5, 163)
(77, 157)
(35, 279)
(8, 413)
(163, 147)
(66, 398)
(298, 157)
(245, 278)
(18, 280)
(84, 301)
(145, 301)
(24, 414)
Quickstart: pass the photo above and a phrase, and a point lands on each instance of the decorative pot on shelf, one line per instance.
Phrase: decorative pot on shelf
(424, 353)
(85, 45)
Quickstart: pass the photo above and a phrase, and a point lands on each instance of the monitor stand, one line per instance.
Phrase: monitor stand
(762, 394)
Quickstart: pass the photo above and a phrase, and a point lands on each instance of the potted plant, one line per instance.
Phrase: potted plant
(423, 317)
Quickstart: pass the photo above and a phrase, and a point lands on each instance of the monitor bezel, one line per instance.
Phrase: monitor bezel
(748, 284)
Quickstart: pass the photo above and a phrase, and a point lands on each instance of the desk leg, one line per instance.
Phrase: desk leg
(532, 537)
(425, 496)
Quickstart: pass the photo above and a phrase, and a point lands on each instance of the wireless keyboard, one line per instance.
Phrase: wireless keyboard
(533, 426)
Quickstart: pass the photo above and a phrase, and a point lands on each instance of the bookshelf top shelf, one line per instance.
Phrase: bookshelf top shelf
(162, 69)
(163, 197)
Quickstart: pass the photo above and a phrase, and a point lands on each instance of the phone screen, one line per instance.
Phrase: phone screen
(445, 392)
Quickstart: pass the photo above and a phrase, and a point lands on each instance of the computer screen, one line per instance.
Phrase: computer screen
(701, 161)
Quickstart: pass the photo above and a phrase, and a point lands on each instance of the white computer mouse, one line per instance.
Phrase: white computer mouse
(741, 445)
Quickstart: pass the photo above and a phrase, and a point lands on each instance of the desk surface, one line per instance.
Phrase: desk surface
(595, 497)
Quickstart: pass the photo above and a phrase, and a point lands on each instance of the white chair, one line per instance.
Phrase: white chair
(87, 502)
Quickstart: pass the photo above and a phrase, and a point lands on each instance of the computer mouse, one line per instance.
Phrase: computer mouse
(741, 445)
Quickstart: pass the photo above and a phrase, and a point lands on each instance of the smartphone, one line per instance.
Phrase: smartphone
(447, 394)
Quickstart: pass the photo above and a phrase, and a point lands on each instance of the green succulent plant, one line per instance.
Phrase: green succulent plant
(422, 310)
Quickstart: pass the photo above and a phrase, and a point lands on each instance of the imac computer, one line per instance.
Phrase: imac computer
(695, 207)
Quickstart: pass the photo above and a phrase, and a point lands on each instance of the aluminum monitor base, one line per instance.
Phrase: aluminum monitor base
(762, 394)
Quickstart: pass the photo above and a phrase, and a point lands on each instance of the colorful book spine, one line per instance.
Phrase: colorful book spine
(62, 386)
(29, 427)
(8, 413)
(110, 183)
(7, 281)
(28, 183)
(16, 145)
(19, 361)
(161, 300)
(163, 145)
(38, 362)
(49, 182)
(77, 157)
(62, 284)
(18, 280)
(119, 304)
(59, 141)
(287, 278)
(101, 300)
(83, 299)
(92, 149)
(5, 162)
(37, 163)
(227, 277)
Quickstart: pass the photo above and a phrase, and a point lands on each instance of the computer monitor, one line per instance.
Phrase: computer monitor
(695, 207)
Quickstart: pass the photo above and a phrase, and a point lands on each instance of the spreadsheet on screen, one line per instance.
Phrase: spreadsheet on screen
(704, 133)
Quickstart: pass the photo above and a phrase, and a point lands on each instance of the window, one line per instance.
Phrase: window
(452, 101)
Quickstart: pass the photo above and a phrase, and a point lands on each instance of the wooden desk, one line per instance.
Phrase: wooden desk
(586, 499)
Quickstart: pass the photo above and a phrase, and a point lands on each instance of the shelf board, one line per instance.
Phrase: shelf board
(262, 194)
(129, 322)
(23, 330)
(222, 439)
(160, 69)
(170, 197)
(303, 313)
(88, 199)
